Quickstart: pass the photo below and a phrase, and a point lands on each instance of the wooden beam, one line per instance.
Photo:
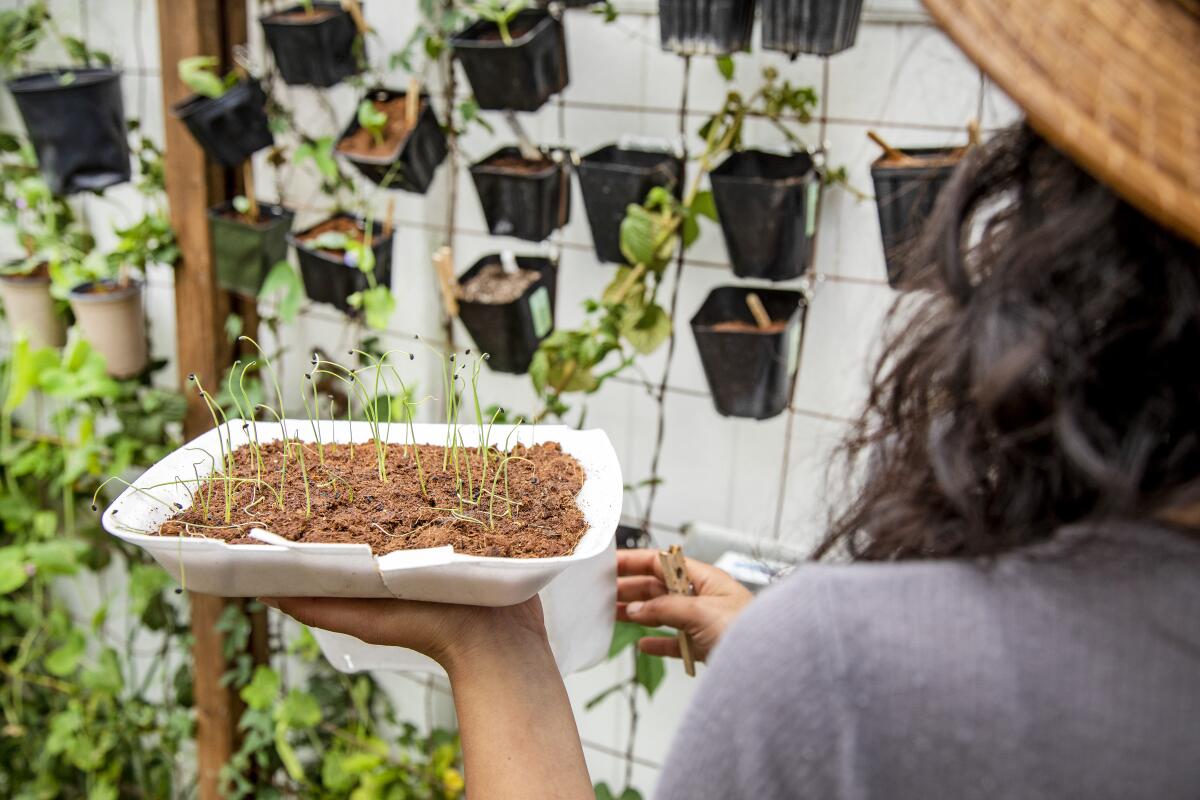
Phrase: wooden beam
(190, 28)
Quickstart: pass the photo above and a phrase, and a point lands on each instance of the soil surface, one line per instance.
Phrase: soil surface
(507, 163)
(361, 143)
(738, 326)
(516, 30)
(39, 273)
(344, 225)
(301, 17)
(536, 516)
(916, 160)
(494, 287)
(264, 217)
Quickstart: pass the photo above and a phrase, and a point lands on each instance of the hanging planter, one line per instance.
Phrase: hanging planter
(405, 153)
(907, 184)
(508, 311)
(30, 309)
(749, 364)
(818, 27)
(518, 76)
(246, 248)
(705, 27)
(76, 121)
(767, 205)
(611, 179)
(232, 127)
(330, 275)
(109, 315)
(525, 198)
(314, 46)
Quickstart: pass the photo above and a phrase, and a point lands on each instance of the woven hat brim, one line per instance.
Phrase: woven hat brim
(1115, 84)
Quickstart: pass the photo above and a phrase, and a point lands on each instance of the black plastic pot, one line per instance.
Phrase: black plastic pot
(418, 155)
(819, 27)
(245, 253)
(749, 373)
(630, 537)
(230, 128)
(329, 279)
(510, 333)
(705, 27)
(905, 196)
(767, 205)
(526, 206)
(611, 179)
(76, 121)
(316, 52)
(521, 76)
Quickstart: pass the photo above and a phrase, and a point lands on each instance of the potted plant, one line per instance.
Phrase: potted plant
(907, 183)
(528, 198)
(749, 348)
(248, 239)
(818, 27)
(342, 258)
(507, 305)
(611, 179)
(28, 305)
(515, 58)
(227, 116)
(394, 142)
(705, 27)
(767, 206)
(314, 44)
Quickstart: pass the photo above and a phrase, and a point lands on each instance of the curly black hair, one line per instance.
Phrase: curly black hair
(1047, 373)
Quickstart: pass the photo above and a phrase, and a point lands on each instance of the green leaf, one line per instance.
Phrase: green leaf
(12, 570)
(284, 285)
(377, 303)
(105, 676)
(241, 204)
(298, 710)
(287, 754)
(625, 634)
(56, 557)
(372, 119)
(649, 672)
(725, 67)
(262, 690)
(649, 330)
(630, 794)
(64, 659)
(705, 205)
(603, 792)
(198, 74)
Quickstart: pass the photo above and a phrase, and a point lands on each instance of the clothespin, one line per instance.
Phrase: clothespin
(675, 572)
(356, 14)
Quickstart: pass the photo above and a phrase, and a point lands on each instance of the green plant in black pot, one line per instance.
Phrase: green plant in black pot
(515, 57)
(227, 114)
(314, 44)
(346, 261)
(395, 138)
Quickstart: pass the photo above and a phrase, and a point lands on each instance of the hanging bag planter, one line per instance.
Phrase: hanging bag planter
(232, 127)
(817, 27)
(404, 155)
(578, 587)
(314, 49)
(246, 249)
(110, 317)
(749, 367)
(520, 76)
(508, 313)
(76, 122)
(523, 198)
(767, 205)
(907, 184)
(329, 275)
(611, 179)
(705, 27)
(30, 309)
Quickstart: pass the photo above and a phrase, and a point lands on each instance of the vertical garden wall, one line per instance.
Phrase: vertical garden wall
(693, 471)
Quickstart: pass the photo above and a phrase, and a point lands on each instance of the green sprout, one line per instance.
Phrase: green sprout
(373, 120)
(500, 14)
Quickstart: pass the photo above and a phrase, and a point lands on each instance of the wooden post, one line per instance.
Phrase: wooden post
(189, 28)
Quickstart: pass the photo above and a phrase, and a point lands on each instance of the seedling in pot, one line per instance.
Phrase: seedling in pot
(372, 119)
(226, 114)
(501, 14)
(514, 58)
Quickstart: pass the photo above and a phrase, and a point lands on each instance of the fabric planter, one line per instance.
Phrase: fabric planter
(245, 252)
(612, 179)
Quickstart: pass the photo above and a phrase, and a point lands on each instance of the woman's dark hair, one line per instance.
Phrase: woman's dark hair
(1049, 375)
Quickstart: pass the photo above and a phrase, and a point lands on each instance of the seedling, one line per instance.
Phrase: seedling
(199, 73)
(373, 120)
(500, 14)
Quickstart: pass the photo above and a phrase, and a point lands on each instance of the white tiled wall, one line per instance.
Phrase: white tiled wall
(903, 79)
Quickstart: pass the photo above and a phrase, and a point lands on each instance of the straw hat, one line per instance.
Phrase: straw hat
(1115, 84)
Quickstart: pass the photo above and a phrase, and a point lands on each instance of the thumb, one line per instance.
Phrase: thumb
(675, 610)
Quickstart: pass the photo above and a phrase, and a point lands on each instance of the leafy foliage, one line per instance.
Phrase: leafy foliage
(500, 13)
(199, 73)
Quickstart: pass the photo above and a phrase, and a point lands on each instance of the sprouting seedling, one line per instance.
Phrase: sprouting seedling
(500, 14)
(304, 477)
(252, 417)
(274, 381)
(314, 413)
(225, 444)
(373, 120)
(199, 73)
(246, 413)
(411, 436)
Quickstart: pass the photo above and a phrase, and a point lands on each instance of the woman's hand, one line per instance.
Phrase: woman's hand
(642, 598)
(449, 634)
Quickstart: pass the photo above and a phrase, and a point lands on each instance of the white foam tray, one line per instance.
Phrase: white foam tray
(578, 609)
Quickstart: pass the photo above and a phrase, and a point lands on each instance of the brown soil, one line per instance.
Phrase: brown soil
(922, 161)
(515, 30)
(344, 225)
(495, 287)
(361, 143)
(349, 503)
(39, 273)
(522, 166)
(107, 287)
(234, 215)
(738, 326)
(301, 17)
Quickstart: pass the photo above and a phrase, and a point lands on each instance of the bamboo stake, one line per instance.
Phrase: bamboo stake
(890, 152)
(389, 217)
(356, 13)
(412, 103)
(443, 261)
(248, 188)
(761, 317)
(675, 572)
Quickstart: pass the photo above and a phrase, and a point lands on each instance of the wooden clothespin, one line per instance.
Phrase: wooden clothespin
(891, 153)
(389, 217)
(412, 103)
(356, 14)
(675, 571)
(761, 318)
(443, 261)
(248, 188)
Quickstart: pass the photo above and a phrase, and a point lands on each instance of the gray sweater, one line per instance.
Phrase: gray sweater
(1070, 670)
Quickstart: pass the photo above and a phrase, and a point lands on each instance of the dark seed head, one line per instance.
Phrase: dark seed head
(468, 351)
(452, 356)
(411, 356)
(179, 506)
(94, 507)
(487, 356)
(178, 590)
(308, 376)
(191, 376)
(315, 359)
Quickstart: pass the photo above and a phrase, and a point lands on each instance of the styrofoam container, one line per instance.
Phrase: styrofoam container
(578, 604)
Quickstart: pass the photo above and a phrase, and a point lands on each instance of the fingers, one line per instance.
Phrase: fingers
(705, 577)
(357, 617)
(639, 587)
(659, 646)
(675, 610)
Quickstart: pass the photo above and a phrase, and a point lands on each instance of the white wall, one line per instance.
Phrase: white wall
(903, 79)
